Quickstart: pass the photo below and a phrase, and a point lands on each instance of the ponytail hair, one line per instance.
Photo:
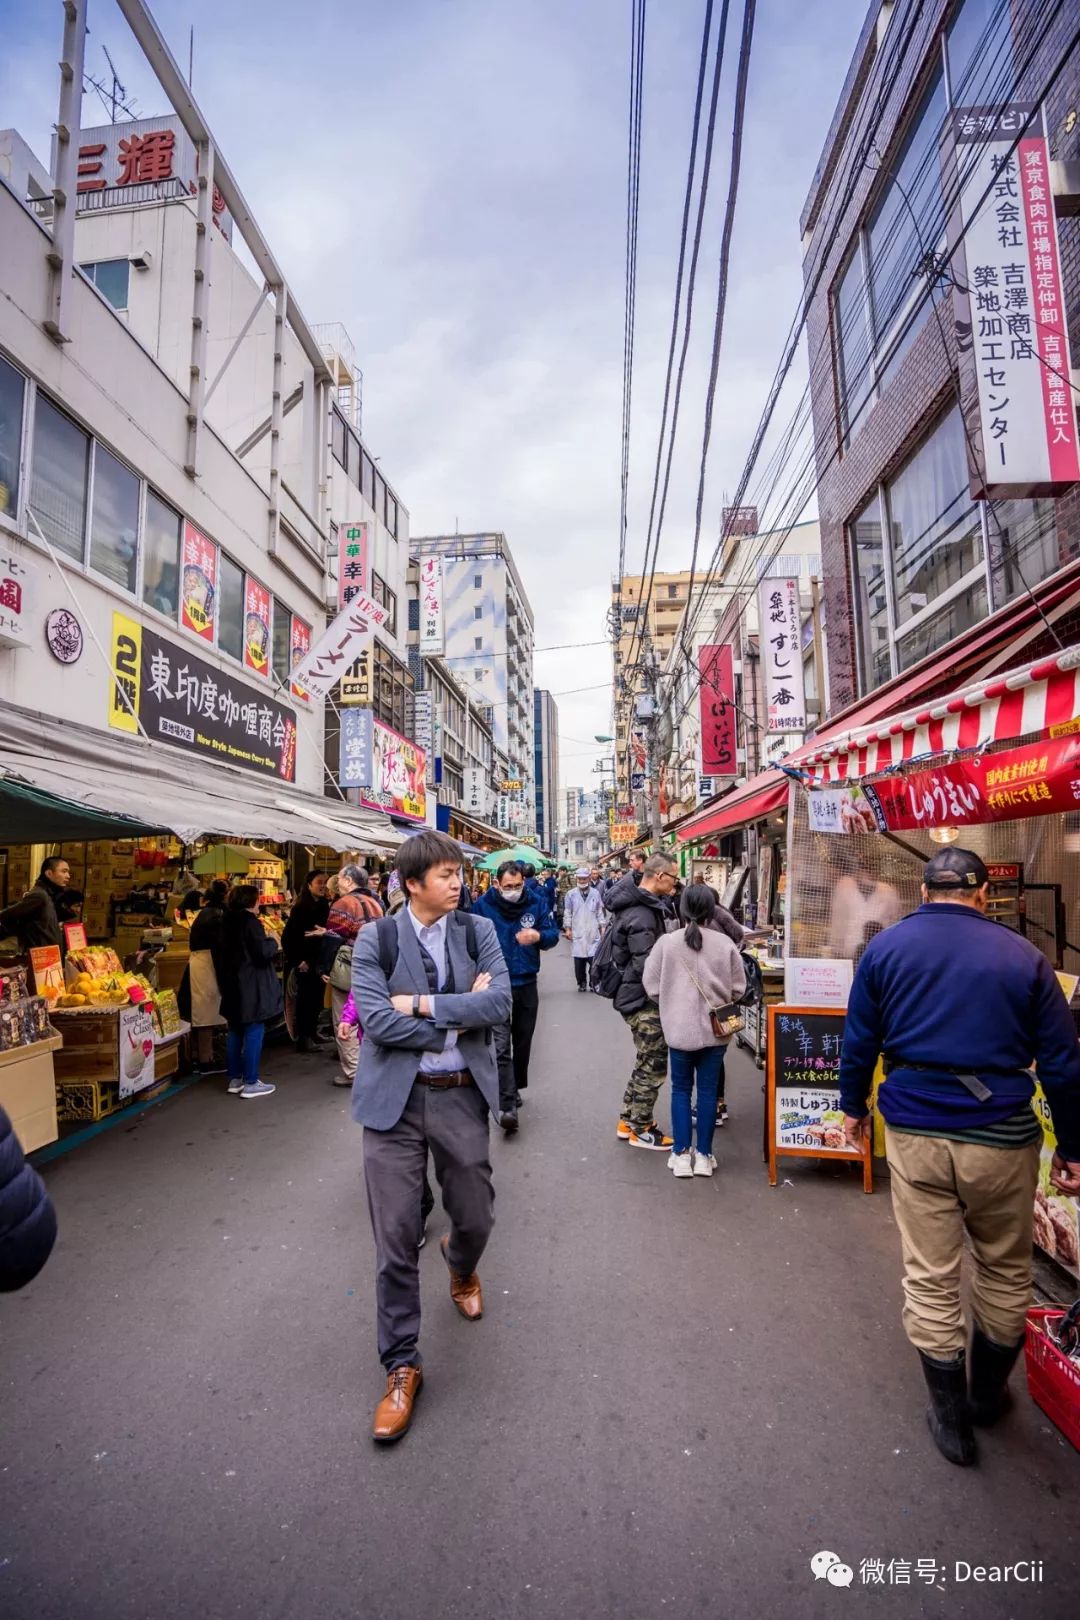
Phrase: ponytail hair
(696, 908)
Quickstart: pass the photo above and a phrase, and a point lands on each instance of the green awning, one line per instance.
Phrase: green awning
(30, 816)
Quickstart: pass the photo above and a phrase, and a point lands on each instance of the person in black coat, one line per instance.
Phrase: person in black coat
(302, 946)
(250, 989)
(27, 1218)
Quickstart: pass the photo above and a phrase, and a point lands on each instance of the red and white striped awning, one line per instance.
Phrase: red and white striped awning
(1041, 699)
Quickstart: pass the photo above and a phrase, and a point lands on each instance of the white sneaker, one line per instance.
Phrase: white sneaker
(235, 1087)
(259, 1089)
(681, 1164)
(704, 1164)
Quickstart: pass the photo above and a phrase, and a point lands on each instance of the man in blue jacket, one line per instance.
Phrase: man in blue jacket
(961, 1007)
(525, 927)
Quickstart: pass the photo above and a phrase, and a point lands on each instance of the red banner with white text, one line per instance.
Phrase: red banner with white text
(1039, 780)
(718, 740)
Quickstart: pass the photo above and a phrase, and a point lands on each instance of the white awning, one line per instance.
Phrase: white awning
(185, 795)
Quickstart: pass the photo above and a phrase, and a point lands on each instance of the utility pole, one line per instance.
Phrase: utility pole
(649, 714)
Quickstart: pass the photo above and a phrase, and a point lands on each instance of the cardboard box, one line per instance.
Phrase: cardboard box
(28, 1092)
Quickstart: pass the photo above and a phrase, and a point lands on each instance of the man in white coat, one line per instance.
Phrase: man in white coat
(584, 920)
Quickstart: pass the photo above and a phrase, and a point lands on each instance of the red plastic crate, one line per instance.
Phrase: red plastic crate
(1053, 1379)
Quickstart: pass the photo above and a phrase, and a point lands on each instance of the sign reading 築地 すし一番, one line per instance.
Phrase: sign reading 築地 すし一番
(804, 1117)
(779, 632)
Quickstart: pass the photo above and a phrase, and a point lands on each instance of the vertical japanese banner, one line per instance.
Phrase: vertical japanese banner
(299, 647)
(355, 758)
(1016, 328)
(256, 626)
(716, 667)
(352, 562)
(781, 654)
(198, 594)
(432, 630)
(476, 792)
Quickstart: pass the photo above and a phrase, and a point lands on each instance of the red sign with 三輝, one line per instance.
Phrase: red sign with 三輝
(718, 743)
(1040, 780)
(299, 647)
(198, 594)
(256, 626)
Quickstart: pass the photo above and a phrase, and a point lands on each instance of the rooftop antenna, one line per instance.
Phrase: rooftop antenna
(191, 54)
(118, 92)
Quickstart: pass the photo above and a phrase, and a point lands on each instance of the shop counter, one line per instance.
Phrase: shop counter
(28, 1092)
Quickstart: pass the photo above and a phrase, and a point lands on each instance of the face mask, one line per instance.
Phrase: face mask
(584, 887)
(512, 895)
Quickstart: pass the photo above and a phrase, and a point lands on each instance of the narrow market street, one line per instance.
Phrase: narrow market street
(678, 1395)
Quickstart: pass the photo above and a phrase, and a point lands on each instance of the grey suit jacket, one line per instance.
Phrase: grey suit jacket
(393, 1042)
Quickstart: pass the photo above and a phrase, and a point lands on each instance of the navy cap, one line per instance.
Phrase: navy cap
(954, 868)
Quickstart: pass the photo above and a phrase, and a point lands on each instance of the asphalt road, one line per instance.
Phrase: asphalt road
(680, 1391)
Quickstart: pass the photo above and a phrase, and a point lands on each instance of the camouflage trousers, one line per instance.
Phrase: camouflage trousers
(650, 1065)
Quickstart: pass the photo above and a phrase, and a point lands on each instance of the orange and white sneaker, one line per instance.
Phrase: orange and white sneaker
(652, 1137)
(623, 1130)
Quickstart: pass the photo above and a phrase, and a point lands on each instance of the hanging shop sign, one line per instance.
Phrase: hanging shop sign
(1015, 324)
(198, 583)
(423, 721)
(623, 832)
(64, 636)
(804, 1117)
(716, 668)
(432, 626)
(475, 793)
(339, 646)
(352, 562)
(781, 655)
(18, 579)
(398, 774)
(299, 646)
(256, 627)
(840, 810)
(355, 687)
(181, 700)
(1038, 780)
(355, 756)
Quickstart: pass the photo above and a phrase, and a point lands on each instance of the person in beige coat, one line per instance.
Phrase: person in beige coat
(689, 973)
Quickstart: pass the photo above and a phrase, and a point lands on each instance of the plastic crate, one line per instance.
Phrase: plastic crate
(1053, 1379)
(85, 1100)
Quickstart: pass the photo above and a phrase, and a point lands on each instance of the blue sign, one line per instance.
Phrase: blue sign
(355, 747)
(637, 782)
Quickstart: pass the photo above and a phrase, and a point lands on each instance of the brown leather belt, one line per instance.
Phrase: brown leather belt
(444, 1082)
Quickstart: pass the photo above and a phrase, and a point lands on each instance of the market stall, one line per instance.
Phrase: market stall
(27, 1046)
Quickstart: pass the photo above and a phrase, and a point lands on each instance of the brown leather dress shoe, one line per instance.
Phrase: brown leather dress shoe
(465, 1292)
(394, 1412)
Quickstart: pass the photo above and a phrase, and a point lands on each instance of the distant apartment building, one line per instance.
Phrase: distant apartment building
(546, 767)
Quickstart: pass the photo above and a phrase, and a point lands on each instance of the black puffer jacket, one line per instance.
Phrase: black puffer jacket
(27, 1218)
(250, 989)
(639, 922)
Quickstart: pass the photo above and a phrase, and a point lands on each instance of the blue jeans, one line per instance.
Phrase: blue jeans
(708, 1065)
(243, 1051)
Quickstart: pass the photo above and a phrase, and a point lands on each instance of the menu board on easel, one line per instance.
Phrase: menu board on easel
(804, 1118)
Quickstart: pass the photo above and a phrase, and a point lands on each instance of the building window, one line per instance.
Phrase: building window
(478, 582)
(230, 608)
(391, 514)
(337, 438)
(478, 643)
(281, 641)
(379, 502)
(110, 277)
(852, 327)
(385, 597)
(114, 523)
(478, 613)
(673, 591)
(414, 613)
(872, 608)
(12, 395)
(161, 556)
(59, 478)
(978, 52)
(367, 479)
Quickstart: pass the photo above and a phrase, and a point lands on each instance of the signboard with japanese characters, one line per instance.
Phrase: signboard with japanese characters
(398, 770)
(135, 1034)
(1015, 324)
(432, 630)
(17, 581)
(781, 655)
(840, 810)
(256, 627)
(475, 793)
(623, 832)
(352, 562)
(198, 583)
(355, 687)
(339, 646)
(356, 748)
(1037, 780)
(299, 646)
(140, 162)
(179, 699)
(716, 669)
(423, 721)
(805, 1119)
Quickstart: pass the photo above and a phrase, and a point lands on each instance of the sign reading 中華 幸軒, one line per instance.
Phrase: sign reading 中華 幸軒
(352, 562)
(179, 699)
(781, 655)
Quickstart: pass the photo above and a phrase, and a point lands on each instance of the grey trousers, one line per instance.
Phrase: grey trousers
(453, 1124)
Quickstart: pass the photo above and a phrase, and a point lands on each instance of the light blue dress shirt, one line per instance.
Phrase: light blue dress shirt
(433, 939)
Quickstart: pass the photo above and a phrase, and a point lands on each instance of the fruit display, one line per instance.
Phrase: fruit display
(105, 990)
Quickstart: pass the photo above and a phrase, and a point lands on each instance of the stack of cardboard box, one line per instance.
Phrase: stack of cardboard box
(19, 875)
(105, 872)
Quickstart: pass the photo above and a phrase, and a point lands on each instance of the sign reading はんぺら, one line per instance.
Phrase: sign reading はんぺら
(804, 1118)
(179, 699)
(718, 741)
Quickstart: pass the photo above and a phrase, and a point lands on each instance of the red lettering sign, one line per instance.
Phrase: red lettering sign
(1039, 780)
(145, 158)
(717, 697)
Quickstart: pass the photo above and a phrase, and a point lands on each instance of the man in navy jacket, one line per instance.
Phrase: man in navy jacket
(961, 1007)
(27, 1218)
(525, 927)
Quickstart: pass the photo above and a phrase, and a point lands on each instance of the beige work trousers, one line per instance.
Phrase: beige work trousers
(348, 1049)
(940, 1189)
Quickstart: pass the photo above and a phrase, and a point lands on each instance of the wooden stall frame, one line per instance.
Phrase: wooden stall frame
(865, 1157)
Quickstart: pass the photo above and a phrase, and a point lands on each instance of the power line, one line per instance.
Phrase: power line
(633, 187)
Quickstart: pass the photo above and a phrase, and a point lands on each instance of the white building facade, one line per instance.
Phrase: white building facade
(546, 768)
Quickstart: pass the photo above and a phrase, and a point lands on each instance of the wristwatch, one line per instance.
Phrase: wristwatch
(416, 1006)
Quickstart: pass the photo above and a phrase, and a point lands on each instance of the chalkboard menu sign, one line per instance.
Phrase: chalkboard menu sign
(805, 1119)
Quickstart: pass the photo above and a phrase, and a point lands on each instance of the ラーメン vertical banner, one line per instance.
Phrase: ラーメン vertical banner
(1016, 327)
(198, 583)
(256, 626)
(716, 666)
(352, 561)
(780, 620)
(432, 631)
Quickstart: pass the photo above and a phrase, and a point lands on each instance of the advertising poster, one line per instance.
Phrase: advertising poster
(840, 810)
(398, 770)
(181, 700)
(779, 619)
(717, 695)
(1057, 1218)
(47, 969)
(352, 562)
(136, 1049)
(198, 583)
(299, 647)
(355, 755)
(256, 627)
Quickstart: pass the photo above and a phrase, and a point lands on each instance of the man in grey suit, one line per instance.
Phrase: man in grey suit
(429, 993)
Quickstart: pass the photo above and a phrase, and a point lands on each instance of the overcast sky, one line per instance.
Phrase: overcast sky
(448, 178)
